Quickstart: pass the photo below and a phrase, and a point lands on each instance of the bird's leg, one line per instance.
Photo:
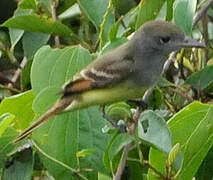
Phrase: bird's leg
(142, 103)
(119, 125)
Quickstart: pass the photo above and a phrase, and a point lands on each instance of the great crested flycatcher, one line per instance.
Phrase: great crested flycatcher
(122, 74)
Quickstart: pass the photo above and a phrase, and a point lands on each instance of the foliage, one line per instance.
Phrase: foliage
(43, 43)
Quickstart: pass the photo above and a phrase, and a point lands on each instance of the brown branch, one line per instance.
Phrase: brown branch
(10, 88)
(171, 60)
(19, 70)
(54, 16)
(131, 130)
(202, 12)
(17, 73)
(122, 163)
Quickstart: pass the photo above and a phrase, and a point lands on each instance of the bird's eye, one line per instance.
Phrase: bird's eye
(164, 40)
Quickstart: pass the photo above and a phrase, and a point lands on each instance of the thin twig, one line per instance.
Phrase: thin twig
(131, 131)
(74, 171)
(10, 88)
(18, 72)
(169, 106)
(54, 16)
(122, 162)
(12, 58)
(202, 11)
(171, 60)
(184, 95)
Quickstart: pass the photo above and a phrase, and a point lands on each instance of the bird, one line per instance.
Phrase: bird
(122, 74)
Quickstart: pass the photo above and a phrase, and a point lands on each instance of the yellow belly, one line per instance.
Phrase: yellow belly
(122, 92)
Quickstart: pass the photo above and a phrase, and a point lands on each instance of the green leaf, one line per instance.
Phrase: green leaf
(94, 10)
(37, 23)
(45, 99)
(124, 7)
(84, 152)
(15, 36)
(192, 128)
(5, 120)
(109, 21)
(45, 5)
(22, 12)
(21, 167)
(210, 62)
(70, 12)
(148, 10)
(202, 78)
(54, 67)
(118, 144)
(66, 134)
(113, 31)
(184, 11)
(4, 38)
(64, 4)
(163, 82)
(32, 41)
(28, 4)
(25, 75)
(118, 111)
(153, 130)
(173, 154)
(197, 146)
(129, 20)
(21, 106)
(113, 44)
(210, 26)
(155, 99)
(206, 168)
(114, 147)
(5, 144)
(103, 177)
(169, 10)
(91, 137)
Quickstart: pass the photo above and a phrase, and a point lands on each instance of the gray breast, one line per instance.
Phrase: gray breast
(148, 70)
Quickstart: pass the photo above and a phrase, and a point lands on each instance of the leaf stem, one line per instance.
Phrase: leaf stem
(100, 39)
(74, 171)
(10, 88)
(54, 17)
(131, 131)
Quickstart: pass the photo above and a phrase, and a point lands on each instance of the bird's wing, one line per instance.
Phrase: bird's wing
(99, 75)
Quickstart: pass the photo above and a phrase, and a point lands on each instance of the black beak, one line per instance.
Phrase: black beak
(189, 43)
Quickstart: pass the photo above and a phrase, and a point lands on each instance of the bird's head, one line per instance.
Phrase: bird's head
(163, 37)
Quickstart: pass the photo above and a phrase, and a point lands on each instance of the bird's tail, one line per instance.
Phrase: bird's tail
(59, 106)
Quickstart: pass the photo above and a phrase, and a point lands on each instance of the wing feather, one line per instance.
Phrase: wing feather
(99, 75)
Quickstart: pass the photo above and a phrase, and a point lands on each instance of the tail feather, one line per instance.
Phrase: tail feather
(56, 109)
